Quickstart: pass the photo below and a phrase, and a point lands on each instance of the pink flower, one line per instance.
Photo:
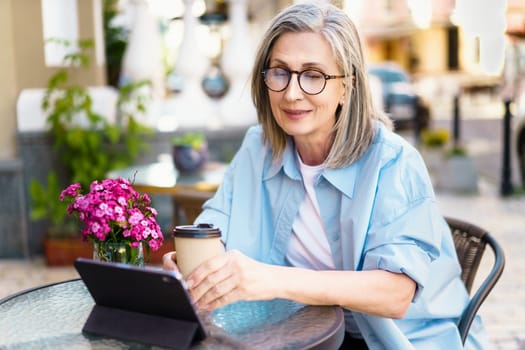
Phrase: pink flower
(136, 216)
(71, 190)
(113, 211)
(122, 201)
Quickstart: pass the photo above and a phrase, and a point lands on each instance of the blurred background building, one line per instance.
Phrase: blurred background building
(428, 38)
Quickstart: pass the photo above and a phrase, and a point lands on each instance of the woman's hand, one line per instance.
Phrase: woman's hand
(169, 261)
(230, 277)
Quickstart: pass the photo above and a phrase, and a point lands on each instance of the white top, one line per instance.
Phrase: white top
(308, 247)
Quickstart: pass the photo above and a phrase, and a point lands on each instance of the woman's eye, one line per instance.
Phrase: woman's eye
(280, 73)
(312, 75)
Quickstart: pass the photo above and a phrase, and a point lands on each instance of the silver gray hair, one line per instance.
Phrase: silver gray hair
(354, 129)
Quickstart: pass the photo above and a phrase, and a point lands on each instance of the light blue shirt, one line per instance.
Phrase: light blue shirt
(379, 213)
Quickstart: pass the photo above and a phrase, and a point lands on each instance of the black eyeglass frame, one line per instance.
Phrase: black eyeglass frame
(290, 72)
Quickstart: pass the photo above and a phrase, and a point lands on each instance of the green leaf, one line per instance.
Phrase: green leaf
(90, 152)
(113, 133)
(193, 139)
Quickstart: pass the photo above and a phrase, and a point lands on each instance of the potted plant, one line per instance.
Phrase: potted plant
(190, 151)
(434, 141)
(87, 147)
(457, 172)
(116, 219)
(61, 244)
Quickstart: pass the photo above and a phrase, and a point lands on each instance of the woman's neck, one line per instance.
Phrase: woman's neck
(314, 153)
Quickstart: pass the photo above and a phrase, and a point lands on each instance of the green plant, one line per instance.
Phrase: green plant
(435, 137)
(456, 151)
(87, 145)
(194, 139)
(43, 207)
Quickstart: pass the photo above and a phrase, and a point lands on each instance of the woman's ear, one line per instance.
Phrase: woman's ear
(342, 99)
(345, 91)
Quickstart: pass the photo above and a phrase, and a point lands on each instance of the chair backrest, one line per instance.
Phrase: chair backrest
(470, 242)
(470, 247)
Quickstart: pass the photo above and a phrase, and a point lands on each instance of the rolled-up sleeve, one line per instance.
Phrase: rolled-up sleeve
(406, 245)
(406, 227)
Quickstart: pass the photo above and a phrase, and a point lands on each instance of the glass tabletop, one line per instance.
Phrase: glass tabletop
(52, 317)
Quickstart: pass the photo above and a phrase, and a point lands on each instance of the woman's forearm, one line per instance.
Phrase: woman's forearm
(376, 292)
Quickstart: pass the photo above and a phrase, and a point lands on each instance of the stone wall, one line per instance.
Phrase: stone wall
(13, 219)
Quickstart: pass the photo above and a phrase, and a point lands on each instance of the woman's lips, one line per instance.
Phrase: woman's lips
(296, 113)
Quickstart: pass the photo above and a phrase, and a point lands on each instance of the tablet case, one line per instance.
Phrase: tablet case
(140, 304)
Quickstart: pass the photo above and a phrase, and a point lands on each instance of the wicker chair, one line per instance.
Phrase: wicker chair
(470, 241)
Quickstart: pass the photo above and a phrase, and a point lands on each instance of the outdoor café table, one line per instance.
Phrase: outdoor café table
(52, 317)
(163, 178)
(188, 191)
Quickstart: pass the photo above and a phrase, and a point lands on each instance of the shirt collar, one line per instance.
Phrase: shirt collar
(341, 178)
(286, 162)
(344, 179)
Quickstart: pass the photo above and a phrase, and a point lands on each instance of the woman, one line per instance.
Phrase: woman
(323, 204)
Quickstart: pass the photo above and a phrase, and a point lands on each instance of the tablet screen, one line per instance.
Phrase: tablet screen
(144, 290)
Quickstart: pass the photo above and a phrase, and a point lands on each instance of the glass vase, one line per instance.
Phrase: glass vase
(120, 252)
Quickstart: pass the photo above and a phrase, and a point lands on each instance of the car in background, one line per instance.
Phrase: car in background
(394, 92)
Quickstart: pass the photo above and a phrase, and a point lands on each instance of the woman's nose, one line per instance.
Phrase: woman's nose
(293, 91)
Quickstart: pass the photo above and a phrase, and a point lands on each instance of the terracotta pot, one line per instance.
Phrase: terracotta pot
(64, 250)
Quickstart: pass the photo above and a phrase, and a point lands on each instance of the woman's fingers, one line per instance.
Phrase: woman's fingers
(228, 278)
(207, 275)
(219, 293)
(169, 261)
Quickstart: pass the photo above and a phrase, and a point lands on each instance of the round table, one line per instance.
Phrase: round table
(52, 316)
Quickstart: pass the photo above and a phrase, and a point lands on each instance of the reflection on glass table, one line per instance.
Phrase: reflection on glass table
(52, 317)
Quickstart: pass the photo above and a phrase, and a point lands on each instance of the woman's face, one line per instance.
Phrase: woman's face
(308, 118)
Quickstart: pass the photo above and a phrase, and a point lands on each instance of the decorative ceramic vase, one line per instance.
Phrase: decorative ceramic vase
(143, 57)
(215, 84)
(118, 252)
(188, 159)
(236, 62)
(191, 62)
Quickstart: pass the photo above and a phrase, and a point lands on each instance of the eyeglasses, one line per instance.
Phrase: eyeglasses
(311, 81)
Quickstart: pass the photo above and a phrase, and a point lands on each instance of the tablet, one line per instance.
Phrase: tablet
(141, 296)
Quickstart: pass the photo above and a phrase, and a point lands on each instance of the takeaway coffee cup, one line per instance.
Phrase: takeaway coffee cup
(195, 244)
